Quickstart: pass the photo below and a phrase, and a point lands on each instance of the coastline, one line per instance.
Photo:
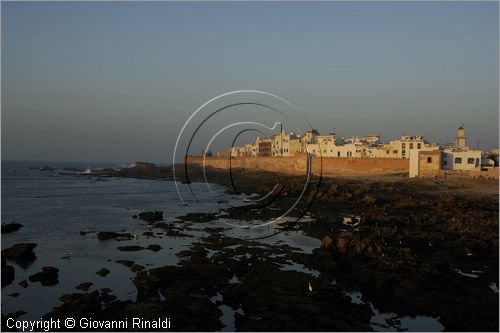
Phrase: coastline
(415, 239)
(384, 245)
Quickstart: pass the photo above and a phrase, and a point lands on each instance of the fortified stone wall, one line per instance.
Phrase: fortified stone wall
(297, 165)
(488, 174)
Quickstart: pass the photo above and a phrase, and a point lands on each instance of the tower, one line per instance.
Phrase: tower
(460, 140)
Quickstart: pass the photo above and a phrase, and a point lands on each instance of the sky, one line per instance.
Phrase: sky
(116, 81)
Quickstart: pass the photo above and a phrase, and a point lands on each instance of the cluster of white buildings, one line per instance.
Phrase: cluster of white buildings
(452, 157)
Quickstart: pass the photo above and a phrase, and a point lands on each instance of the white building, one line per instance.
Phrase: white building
(461, 159)
(251, 149)
(453, 158)
(285, 144)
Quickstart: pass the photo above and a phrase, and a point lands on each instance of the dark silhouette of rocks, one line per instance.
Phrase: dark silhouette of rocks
(49, 276)
(126, 263)
(84, 286)
(103, 272)
(151, 216)
(8, 273)
(107, 235)
(10, 227)
(21, 253)
(130, 248)
(154, 247)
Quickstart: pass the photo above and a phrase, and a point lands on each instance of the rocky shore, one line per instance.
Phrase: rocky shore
(407, 247)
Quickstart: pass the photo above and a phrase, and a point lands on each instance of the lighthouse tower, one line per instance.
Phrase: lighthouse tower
(460, 140)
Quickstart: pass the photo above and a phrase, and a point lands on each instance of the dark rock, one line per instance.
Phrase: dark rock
(84, 232)
(326, 242)
(154, 247)
(21, 253)
(76, 306)
(24, 284)
(84, 286)
(199, 217)
(47, 277)
(103, 272)
(130, 248)
(134, 216)
(8, 273)
(126, 263)
(10, 227)
(70, 169)
(16, 314)
(107, 235)
(151, 216)
(287, 304)
(148, 233)
(136, 268)
(14, 295)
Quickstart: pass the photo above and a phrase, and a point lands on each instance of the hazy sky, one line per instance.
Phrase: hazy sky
(116, 81)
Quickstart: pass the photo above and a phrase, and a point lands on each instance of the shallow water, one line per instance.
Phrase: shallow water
(54, 206)
(390, 322)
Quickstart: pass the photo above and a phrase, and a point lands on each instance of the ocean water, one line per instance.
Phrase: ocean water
(54, 206)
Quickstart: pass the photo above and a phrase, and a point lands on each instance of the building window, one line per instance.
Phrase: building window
(403, 152)
(324, 151)
(429, 159)
(470, 160)
(403, 145)
(387, 152)
(419, 146)
(411, 145)
(394, 151)
(338, 154)
(445, 162)
(458, 160)
(349, 154)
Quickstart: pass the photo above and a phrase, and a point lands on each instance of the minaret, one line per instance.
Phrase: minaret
(460, 140)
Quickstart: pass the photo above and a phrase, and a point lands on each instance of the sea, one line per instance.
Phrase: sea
(54, 204)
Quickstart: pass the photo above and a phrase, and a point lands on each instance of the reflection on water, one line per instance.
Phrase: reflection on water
(467, 274)
(389, 322)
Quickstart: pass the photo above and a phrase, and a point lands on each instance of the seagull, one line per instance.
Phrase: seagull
(430, 244)
(310, 287)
